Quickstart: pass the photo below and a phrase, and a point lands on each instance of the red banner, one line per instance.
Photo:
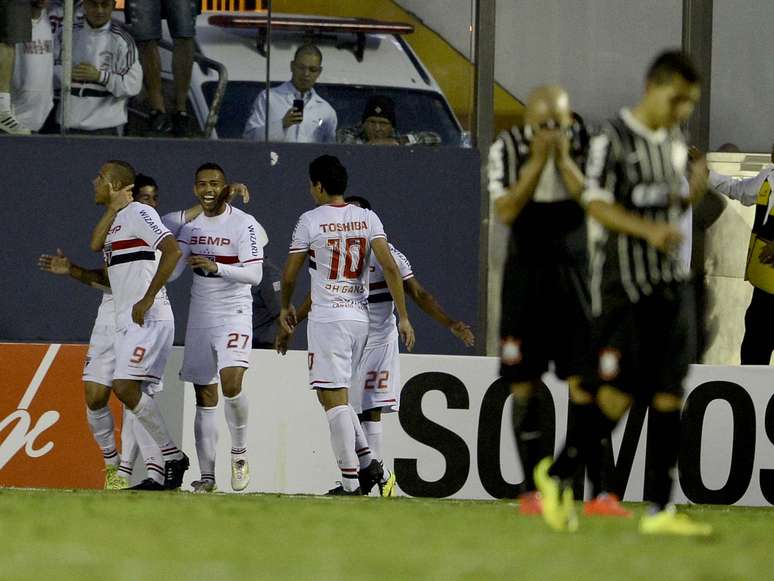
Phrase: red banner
(45, 441)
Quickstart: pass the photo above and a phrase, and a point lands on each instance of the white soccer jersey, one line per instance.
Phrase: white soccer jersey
(381, 328)
(131, 258)
(106, 313)
(338, 240)
(233, 239)
(32, 90)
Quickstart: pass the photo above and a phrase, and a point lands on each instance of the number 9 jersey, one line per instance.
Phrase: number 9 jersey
(338, 238)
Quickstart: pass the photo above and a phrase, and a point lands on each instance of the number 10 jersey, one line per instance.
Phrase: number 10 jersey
(338, 239)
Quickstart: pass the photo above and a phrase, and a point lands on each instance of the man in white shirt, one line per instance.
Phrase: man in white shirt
(224, 247)
(758, 342)
(32, 91)
(14, 28)
(339, 238)
(296, 112)
(106, 72)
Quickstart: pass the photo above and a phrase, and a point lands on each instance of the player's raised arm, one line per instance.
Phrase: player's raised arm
(170, 254)
(510, 200)
(119, 199)
(428, 303)
(395, 284)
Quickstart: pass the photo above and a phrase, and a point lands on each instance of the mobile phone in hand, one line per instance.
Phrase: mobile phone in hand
(298, 105)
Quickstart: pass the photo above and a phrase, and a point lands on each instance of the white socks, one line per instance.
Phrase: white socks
(236, 417)
(150, 451)
(373, 433)
(343, 444)
(102, 427)
(206, 436)
(362, 449)
(148, 414)
(5, 102)
(129, 446)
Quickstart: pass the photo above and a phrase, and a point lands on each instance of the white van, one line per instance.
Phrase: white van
(360, 58)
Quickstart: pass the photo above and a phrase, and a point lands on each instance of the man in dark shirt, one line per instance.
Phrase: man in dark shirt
(266, 306)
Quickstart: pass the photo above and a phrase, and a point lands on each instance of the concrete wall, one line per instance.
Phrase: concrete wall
(427, 199)
(599, 50)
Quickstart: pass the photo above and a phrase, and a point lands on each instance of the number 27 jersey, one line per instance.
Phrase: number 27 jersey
(338, 240)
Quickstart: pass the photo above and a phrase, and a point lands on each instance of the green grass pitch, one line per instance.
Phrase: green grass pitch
(48, 534)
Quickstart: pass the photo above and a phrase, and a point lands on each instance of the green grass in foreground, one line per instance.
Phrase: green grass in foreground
(113, 535)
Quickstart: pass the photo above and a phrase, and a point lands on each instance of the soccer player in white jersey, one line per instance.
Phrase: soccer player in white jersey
(144, 320)
(377, 387)
(100, 360)
(224, 247)
(339, 238)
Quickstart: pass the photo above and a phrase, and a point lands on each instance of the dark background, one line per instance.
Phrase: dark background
(428, 200)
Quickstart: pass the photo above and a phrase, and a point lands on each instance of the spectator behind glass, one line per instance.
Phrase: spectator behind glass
(378, 127)
(266, 306)
(144, 20)
(106, 72)
(32, 91)
(314, 123)
(15, 27)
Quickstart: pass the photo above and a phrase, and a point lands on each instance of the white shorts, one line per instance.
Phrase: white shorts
(142, 352)
(335, 350)
(210, 349)
(378, 379)
(100, 358)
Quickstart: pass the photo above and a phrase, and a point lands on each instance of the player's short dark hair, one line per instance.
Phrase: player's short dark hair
(671, 63)
(359, 200)
(308, 48)
(122, 172)
(142, 181)
(328, 171)
(210, 165)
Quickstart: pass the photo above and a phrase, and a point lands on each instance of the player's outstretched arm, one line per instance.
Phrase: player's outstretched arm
(61, 265)
(170, 254)
(428, 303)
(119, 199)
(293, 265)
(615, 217)
(395, 284)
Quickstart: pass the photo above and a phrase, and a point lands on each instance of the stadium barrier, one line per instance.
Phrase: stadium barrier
(451, 438)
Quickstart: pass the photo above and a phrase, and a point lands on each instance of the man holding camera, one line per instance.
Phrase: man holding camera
(296, 112)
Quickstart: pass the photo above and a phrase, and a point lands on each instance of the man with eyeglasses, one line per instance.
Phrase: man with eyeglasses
(296, 112)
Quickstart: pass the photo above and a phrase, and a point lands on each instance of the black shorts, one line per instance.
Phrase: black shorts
(646, 347)
(544, 319)
(15, 21)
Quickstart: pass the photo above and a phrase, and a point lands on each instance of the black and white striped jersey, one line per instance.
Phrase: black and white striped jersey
(552, 225)
(642, 171)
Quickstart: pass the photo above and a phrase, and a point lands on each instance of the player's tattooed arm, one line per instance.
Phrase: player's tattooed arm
(119, 199)
(395, 284)
(287, 318)
(61, 265)
(430, 305)
(282, 340)
(170, 255)
(509, 205)
(661, 235)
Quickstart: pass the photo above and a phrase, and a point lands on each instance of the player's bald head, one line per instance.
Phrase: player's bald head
(548, 102)
(120, 173)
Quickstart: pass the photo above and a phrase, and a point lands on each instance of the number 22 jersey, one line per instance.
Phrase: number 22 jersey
(338, 239)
